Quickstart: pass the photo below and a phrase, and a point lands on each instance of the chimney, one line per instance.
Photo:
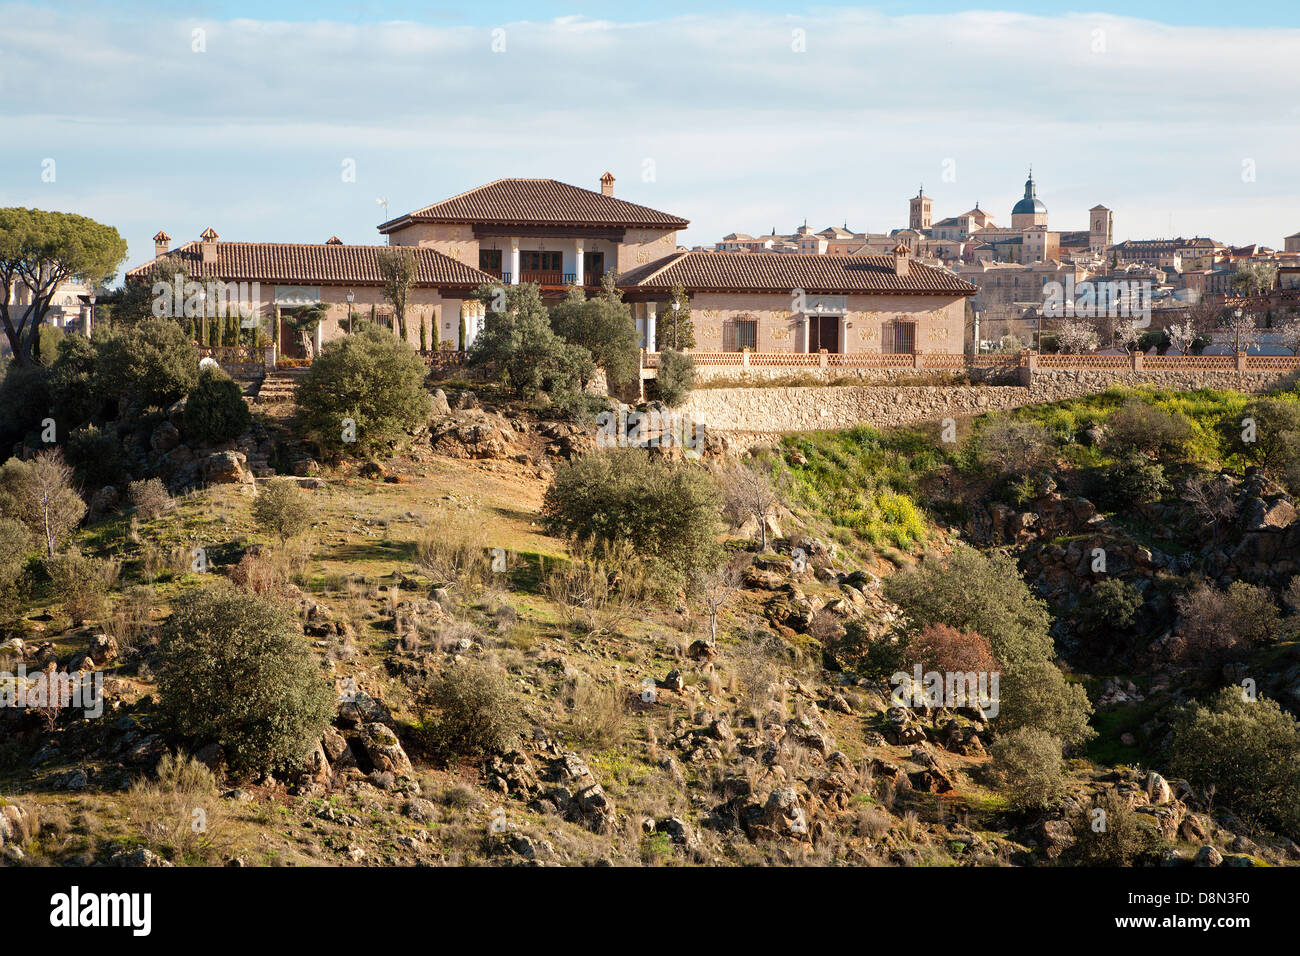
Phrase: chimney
(607, 184)
(208, 248)
(902, 260)
(160, 244)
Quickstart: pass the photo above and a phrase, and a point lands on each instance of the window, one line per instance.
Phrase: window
(740, 334)
(540, 261)
(898, 338)
(489, 260)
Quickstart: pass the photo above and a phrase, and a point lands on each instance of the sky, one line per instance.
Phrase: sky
(289, 121)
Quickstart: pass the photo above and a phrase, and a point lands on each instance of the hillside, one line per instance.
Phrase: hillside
(644, 740)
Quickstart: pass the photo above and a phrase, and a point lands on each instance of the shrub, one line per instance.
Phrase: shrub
(667, 512)
(1217, 625)
(24, 401)
(467, 710)
(1109, 606)
(1014, 448)
(154, 364)
(76, 385)
(1248, 750)
(1276, 433)
(1138, 427)
(39, 493)
(149, 498)
(675, 378)
(939, 647)
(81, 584)
(602, 325)
(1115, 839)
(1028, 766)
(1134, 479)
(519, 344)
(237, 671)
(970, 591)
(282, 509)
(453, 560)
(875, 659)
(1036, 696)
(371, 378)
(215, 410)
(15, 548)
(96, 456)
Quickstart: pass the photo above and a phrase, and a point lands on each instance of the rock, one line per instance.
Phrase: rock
(783, 815)
(373, 470)
(1157, 788)
(674, 681)
(164, 438)
(1194, 829)
(702, 650)
(678, 830)
(226, 468)
(104, 501)
(103, 649)
(141, 857)
(1055, 837)
(421, 811)
(385, 750)
(441, 408)
(334, 745)
(1208, 856)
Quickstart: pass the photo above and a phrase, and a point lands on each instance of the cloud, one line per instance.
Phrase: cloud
(740, 131)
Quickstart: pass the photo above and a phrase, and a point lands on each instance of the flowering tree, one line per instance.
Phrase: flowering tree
(1076, 337)
(1242, 328)
(1182, 336)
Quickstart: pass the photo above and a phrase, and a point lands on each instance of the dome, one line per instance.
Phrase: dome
(1031, 204)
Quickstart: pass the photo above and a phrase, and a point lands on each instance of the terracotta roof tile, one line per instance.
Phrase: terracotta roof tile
(538, 202)
(784, 272)
(303, 263)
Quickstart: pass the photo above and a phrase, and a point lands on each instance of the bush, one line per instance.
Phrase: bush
(96, 456)
(467, 711)
(667, 512)
(1109, 606)
(602, 325)
(970, 591)
(1028, 766)
(1248, 750)
(1276, 433)
(1217, 625)
(282, 509)
(149, 498)
(1146, 429)
(81, 584)
(237, 671)
(1036, 696)
(215, 410)
(15, 548)
(371, 378)
(1115, 839)
(39, 493)
(154, 364)
(519, 344)
(1014, 448)
(1134, 480)
(76, 388)
(875, 659)
(24, 401)
(939, 647)
(675, 378)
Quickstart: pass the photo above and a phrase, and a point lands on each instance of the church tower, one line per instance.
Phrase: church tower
(1030, 211)
(1101, 224)
(919, 217)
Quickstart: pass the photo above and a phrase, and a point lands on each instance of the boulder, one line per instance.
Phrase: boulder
(164, 438)
(385, 750)
(226, 468)
(103, 649)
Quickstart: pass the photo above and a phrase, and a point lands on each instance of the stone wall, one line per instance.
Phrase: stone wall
(763, 411)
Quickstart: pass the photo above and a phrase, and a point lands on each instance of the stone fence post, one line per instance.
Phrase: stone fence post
(1137, 360)
(1241, 361)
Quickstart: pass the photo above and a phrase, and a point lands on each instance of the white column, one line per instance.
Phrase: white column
(650, 326)
(578, 271)
(807, 335)
(514, 262)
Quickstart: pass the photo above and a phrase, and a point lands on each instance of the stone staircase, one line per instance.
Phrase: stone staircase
(278, 385)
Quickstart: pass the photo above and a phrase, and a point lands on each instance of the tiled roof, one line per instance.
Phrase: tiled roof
(541, 202)
(302, 263)
(785, 272)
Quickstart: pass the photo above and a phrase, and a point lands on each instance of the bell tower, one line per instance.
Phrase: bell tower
(919, 212)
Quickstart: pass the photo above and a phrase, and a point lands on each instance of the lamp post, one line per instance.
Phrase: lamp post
(676, 308)
(351, 297)
(90, 316)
